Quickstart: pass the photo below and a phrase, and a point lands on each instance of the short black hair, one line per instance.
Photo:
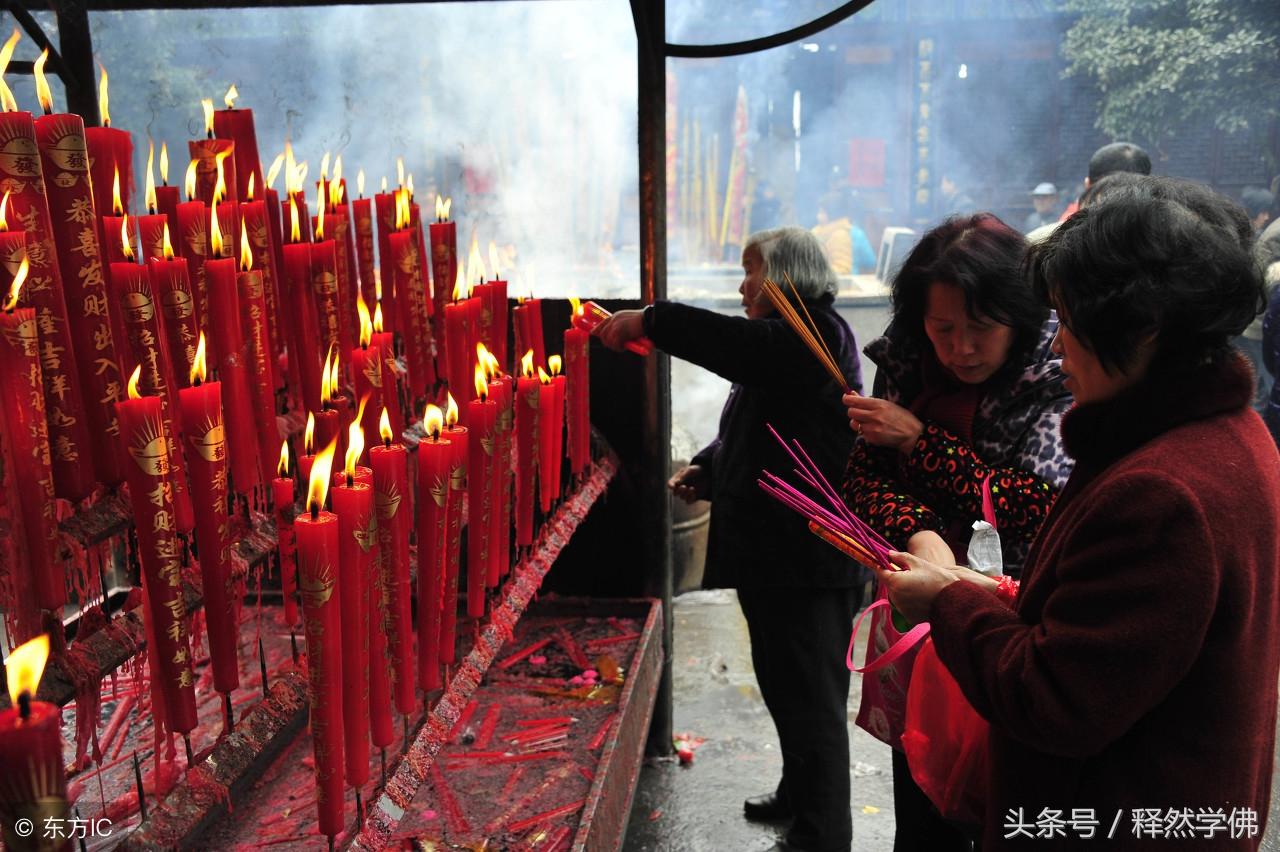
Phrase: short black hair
(1118, 157)
(1165, 257)
(1101, 189)
(984, 258)
(1256, 200)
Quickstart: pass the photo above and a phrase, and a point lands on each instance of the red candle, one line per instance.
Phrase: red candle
(193, 244)
(64, 158)
(151, 230)
(110, 149)
(304, 340)
(31, 751)
(145, 442)
(560, 384)
(282, 502)
(460, 320)
(482, 414)
(444, 256)
(367, 371)
(253, 316)
(206, 455)
(391, 502)
(131, 291)
(171, 284)
(329, 419)
(362, 210)
(528, 320)
(69, 440)
(308, 448)
(458, 439)
(255, 222)
(233, 366)
(237, 126)
(385, 209)
(207, 154)
(411, 296)
(167, 197)
(434, 458)
(332, 227)
(119, 229)
(551, 421)
(353, 504)
(503, 391)
(390, 370)
(316, 536)
(577, 360)
(26, 430)
(528, 396)
(324, 290)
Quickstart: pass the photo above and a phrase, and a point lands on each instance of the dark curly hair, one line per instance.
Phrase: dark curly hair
(984, 258)
(1162, 257)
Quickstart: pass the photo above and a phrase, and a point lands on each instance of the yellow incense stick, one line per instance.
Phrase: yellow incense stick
(811, 338)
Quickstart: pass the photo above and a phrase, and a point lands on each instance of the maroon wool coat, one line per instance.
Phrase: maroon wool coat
(1138, 668)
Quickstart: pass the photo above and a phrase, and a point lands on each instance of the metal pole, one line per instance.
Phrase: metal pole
(76, 46)
(650, 22)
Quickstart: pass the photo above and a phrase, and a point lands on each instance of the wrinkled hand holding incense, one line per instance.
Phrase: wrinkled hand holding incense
(805, 327)
(835, 523)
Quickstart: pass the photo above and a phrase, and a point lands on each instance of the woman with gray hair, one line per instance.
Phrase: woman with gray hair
(798, 594)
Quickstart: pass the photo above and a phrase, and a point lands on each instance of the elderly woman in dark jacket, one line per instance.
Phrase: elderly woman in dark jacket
(798, 594)
(1137, 667)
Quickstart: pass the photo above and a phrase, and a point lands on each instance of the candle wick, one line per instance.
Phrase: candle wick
(24, 705)
(350, 481)
(196, 383)
(386, 443)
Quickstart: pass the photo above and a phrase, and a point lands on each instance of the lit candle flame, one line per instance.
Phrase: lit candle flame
(309, 435)
(150, 194)
(321, 470)
(220, 187)
(335, 190)
(324, 167)
(168, 246)
(337, 169)
(451, 411)
(290, 166)
(4, 211)
(526, 365)
(295, 232)
(246, 253)
(230, 97)
(207, 105)
(198, 369)
(491, 367)
(377, 317)
(360, 182)
(355, 439)
(460, 289)
(282, 468)
(554, 364)
(320, 218)
(117, 206)
(215, 232)
(190, 181)
(442, 208)
(493, 261)
(366, 323)
(402, 209)
(24, 666)
(9, 103)
(249, 189)
(384, 184)
(433, 421)
(274, 171)
(126, 245)
(102, 97)
(19, 278)
(408, 184)
(324, 377)
(43, 93)
(399, 168)
(334, 381)
(300, 176)
(482, 383)
(133, 382)
(475, 264)
(384, 427)
(575, 306)
(164, 163)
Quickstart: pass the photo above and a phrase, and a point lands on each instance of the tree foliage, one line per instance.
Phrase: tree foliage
(1162, 65)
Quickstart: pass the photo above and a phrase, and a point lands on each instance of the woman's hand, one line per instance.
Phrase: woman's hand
(913, 591)
(930, 547)
(883, 423)
(620, 329)
(690, 483)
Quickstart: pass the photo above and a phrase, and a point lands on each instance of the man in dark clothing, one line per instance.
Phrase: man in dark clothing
(798, 595)
(1108, 160)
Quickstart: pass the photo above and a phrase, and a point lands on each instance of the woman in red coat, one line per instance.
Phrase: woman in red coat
(1131, 686)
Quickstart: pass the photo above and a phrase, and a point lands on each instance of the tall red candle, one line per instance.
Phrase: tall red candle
(253, 316)
(316, 535)
(528, 319)
(304, 340)
(528, 397)
(551, 414)
(367, 371)
(167, 197)
(444, 257)
(205, 152)
(503, 391)
(458, 439)
(331, 227)
(384, 204)
(132, 293)
(206, 456)
(237, 126)
(255, 222)
(577, 362)
(307, 457)
(64, 158)
(353, 504)
(434, 457)
(233, 366)
(192, 234)
(145, 442)
(560, 383)
(482, 414)
(23, 179)
(26, 430)
(324, 290)
(35, 787)
(282, 504)
(171, 284)
(460, 320)
(407, 263)
(110, 150)
(391, 502)
(362, 211)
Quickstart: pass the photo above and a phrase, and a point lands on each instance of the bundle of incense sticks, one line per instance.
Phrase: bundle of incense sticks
(833, 522)
(804, 327)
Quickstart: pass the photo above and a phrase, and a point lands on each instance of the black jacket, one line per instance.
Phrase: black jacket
(753, 540)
